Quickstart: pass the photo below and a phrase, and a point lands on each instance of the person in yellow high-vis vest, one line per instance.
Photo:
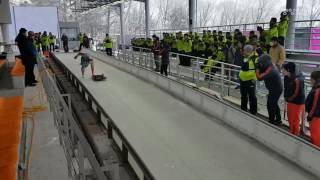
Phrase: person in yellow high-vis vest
(187, 48)
(272, 32)
(180, 47)
(108, 44)
(283, 28)
(45, 43)
(52, 41)
(81, 39)
(248, 80)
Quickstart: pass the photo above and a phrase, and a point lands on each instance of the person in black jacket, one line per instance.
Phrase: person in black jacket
(28, 55)
(294, 96)
(165, 52)
(271, 76)
(238, 60)
(65, 41)
(313, 108)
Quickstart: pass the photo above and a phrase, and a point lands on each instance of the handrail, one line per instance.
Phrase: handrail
(231, 25)
(298, 51)
(247, 123)
(232, 65)
(224, 79)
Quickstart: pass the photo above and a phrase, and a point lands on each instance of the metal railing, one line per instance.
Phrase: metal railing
(222, 79)
(253, 126)
(77, 149)
(303, 27)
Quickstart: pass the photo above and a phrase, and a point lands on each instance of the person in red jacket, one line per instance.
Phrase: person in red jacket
(313, 108)
(294, 96)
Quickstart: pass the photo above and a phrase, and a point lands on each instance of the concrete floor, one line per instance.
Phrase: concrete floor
(48, 160)
(174, 140)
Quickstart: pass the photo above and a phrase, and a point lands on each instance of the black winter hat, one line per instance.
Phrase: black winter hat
(290, 67)
(22, 30)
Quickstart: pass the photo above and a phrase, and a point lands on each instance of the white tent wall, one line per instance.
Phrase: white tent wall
(34, 18)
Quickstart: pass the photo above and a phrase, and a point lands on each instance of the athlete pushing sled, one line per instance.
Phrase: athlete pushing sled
(85, 61)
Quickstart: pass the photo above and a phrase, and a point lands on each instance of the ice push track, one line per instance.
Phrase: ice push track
(175, 140)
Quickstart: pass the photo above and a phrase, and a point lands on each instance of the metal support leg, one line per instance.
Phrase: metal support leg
(222, 79)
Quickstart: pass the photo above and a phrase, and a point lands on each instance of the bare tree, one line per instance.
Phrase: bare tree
(163, 15)
(314, 10)
(178, 18)
(206, 13)
(262, 10)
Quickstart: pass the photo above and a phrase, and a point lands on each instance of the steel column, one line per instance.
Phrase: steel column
(108, 20)
(122, 26)
(192, 15)
(291, 9)
(147, 16)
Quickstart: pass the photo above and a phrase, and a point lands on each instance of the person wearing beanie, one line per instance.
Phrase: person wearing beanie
(313, 108)
(27, 55)
(266, 71)
(294, 96)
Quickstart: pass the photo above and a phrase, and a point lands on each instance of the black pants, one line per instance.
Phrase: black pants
(281, 40)
(65, 47)
(29, 75)
(80, 47)
(185, 60)
(248, 91)
(51, 47)
(109, 51)
(273, 107)
(44, 48)
(164, 69)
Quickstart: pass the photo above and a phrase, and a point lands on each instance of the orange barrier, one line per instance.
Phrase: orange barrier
(18, 68)
(8, 172)
(2, 63)
(46, 53)
(11, 109)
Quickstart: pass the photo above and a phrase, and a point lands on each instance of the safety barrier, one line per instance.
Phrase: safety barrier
(223, 80)
(2, 63)
(293, 148)
(11, 108)
(17, 74)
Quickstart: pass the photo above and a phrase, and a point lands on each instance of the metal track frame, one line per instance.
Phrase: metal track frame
(77, 149)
